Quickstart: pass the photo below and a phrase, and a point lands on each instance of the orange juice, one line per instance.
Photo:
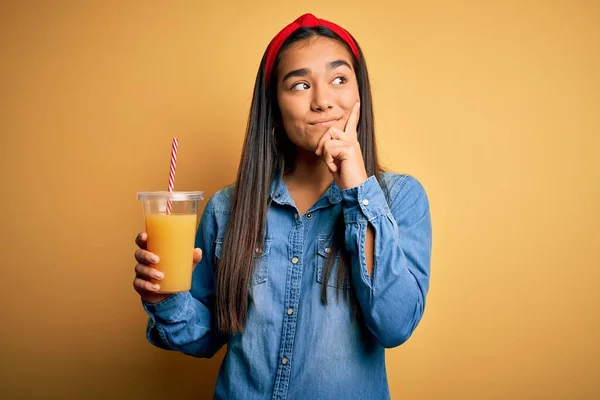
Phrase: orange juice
(171, 238)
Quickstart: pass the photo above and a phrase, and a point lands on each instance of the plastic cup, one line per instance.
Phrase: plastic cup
(171, 235)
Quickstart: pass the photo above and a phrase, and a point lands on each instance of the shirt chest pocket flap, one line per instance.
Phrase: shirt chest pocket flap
(260, 259)
(324, 252)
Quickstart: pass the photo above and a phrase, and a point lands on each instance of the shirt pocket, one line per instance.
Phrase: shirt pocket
(324, 251)
(260, 259)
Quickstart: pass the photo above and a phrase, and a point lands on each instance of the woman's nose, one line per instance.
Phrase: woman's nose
(321, 100)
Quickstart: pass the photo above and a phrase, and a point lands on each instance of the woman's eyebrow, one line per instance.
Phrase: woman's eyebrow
(338, 63)
(305, 71)
(296, 72)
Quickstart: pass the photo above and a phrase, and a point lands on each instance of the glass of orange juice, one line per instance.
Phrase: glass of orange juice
(171, 222)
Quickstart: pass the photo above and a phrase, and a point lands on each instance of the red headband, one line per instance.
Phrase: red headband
(306, 20)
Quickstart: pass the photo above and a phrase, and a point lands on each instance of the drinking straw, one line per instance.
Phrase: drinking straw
(172, 173)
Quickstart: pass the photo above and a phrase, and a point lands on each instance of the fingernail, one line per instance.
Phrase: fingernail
(155, 287)
(154, 259)
(159, 275)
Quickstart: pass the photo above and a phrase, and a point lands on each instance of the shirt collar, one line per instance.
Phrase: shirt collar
(280, 195)
(334, 194)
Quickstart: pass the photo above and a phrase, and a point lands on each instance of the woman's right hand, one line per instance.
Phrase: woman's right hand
(145, 271)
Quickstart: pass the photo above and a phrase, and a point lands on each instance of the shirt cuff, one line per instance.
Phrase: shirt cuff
(364, 202)
(170, 309)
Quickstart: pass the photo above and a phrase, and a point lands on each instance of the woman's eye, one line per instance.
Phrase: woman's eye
(339, 80)
(300, 86)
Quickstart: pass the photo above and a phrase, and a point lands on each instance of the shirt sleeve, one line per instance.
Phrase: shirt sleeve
(392, 299)
(184, 321)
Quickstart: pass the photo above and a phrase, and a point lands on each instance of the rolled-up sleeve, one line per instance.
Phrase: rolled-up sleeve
(392, 299)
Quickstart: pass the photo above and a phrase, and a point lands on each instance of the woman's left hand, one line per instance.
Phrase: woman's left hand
(341, 152)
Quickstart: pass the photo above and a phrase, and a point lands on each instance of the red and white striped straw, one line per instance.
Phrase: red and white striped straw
(172, 172)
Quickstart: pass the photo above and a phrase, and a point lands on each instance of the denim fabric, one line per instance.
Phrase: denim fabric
(293, 346)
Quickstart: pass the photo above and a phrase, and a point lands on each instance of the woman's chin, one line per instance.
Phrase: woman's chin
(307, 149)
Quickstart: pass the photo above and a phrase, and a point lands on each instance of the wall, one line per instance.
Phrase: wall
(492, 105)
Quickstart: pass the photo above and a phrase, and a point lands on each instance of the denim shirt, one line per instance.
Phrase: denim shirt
(293, 345)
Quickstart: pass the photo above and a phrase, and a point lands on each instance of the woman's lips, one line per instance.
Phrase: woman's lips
(326, 123)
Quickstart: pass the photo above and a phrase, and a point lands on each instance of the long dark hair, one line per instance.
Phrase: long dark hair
(267, 154)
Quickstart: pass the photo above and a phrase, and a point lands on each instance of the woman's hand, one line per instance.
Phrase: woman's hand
(341, 152)
(146, 273)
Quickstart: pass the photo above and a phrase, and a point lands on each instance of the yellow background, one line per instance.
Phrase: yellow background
(492, 105)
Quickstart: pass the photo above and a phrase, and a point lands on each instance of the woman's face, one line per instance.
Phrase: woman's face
(316, 89)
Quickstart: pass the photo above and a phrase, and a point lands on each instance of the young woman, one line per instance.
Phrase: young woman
(315, 260)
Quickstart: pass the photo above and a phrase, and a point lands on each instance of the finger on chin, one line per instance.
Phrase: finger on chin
(322, 140)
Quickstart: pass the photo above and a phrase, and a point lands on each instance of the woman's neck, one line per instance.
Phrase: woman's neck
(308, 181)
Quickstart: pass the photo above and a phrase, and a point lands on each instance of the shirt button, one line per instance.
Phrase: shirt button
(290, 311)
(365, 202)
(284, 360)
(309, 215)
(327, 250)
(258, 250)
(295, 260)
